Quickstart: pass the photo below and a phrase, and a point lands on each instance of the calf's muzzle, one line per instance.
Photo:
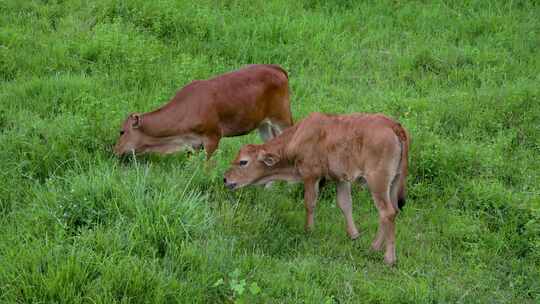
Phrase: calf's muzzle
(229, 184)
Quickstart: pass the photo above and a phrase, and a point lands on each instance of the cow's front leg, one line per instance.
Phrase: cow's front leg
(311, 191)
(210, 142)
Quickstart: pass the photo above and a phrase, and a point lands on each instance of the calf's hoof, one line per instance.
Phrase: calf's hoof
(376, 246)
(390, 261)
(353, 236)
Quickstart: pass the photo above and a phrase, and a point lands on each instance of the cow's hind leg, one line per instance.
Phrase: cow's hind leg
(277, 127)
(344, 202)
(280, 124)
(265, 131)
(269, 129)
(280, 118)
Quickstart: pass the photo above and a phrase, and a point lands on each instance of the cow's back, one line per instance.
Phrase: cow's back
(244, 98)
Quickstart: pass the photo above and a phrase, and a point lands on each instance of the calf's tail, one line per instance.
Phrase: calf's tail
(404, 139)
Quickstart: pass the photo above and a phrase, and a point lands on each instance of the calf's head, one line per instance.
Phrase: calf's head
(251, 166)
(131, 135)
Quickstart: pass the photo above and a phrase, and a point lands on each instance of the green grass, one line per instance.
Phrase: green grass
(78, 226)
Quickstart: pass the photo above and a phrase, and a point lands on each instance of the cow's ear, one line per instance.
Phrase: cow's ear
(136, 118)
(268, 158)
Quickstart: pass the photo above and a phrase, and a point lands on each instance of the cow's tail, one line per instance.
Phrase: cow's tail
(286, 96)
(279, 68)
(404, 140)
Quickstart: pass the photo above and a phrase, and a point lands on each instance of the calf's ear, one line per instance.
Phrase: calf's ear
(268, 158)
(136, 120)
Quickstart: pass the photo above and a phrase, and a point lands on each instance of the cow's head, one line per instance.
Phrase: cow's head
(131, 135)
(251, 166)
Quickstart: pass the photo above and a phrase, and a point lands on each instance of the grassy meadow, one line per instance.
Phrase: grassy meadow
(79, 226)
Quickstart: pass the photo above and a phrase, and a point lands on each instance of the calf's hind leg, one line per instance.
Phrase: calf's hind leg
(387, 232)
(379, 239)
(380, 191)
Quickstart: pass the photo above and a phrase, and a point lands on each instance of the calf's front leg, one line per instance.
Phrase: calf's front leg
(311, 191)
(344, 202)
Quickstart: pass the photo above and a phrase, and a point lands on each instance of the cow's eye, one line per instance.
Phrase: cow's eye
(122, 132)
(243, 163)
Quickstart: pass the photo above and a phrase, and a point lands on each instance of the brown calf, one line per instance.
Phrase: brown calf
(204, 111)
(343, 148)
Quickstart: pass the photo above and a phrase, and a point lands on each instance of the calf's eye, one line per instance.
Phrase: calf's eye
(122, 132)
(243, 163)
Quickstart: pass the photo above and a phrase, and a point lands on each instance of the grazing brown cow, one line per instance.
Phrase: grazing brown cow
(343, 148)
(204, 111)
